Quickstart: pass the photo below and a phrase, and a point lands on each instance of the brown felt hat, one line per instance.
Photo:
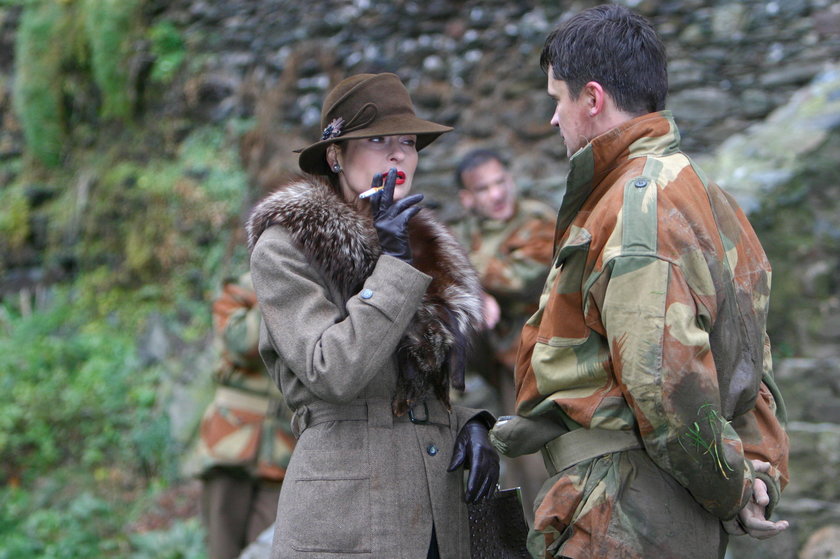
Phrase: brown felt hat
(364, 106)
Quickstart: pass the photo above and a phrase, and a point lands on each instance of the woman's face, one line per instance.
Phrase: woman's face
(361, 159)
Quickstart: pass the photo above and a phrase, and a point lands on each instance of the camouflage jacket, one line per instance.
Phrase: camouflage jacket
(512, 259)
(247, 425)
(653, 320)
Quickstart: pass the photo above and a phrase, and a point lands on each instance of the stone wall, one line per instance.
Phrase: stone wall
(474, 65)
(785, 169)
(471, 64)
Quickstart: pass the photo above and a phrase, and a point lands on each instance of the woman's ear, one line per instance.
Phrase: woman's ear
(332, 155)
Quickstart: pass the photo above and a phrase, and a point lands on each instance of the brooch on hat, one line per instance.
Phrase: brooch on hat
(333, 129)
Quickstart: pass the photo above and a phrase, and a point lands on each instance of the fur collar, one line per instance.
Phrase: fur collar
(343, 245)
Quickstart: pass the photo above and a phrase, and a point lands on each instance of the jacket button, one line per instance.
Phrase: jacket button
(640, 183)
(432, 450)
(366, 294)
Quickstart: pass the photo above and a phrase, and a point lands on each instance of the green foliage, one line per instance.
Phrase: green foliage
(37, 90)
(169, 50)
(60, 531)
(67, 382)
(148, 217)
(107, 25)
(14, 218)
(702, 437)
(51, 523)
(162, 225)
(62, 50)
(81, 432)
(184, 540)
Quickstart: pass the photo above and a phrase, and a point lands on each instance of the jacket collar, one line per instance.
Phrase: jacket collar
(653, 134)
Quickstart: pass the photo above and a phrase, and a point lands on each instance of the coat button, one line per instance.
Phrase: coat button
(432, 450)
(640, 183)
(366, 293)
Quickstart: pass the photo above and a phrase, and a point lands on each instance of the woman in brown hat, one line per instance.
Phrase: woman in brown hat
(368, 304)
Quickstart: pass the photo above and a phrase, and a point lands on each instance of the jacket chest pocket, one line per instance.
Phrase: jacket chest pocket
(563, 323)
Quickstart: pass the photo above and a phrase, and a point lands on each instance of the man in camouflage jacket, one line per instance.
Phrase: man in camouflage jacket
(509, 240)
(246, 439)
(645, 376)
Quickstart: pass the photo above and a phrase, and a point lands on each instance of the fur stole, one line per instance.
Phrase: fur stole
(344, 247)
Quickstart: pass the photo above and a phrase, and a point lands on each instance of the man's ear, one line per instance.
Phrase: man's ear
(467, 198)
(595, 97)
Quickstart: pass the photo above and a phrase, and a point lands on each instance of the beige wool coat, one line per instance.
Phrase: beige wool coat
(362, 482)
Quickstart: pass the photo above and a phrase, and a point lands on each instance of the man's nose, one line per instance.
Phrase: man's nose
(497, 191)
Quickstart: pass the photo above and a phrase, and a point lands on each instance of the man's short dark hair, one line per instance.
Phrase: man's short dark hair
(615, 47)
(473, 159)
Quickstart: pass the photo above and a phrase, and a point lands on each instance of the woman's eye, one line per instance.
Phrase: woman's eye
(409, 141)
(377, 139)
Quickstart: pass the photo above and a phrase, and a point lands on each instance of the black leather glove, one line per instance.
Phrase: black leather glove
(474, 451)
(391, 219)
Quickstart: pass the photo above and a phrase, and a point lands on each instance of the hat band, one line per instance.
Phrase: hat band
(364, 117)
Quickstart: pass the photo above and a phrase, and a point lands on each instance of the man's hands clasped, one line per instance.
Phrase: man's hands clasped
(752, 518)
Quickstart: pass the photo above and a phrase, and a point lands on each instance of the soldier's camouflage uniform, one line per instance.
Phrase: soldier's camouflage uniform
(652, 322)
(512, 259)
(248, 424)
(245, 440)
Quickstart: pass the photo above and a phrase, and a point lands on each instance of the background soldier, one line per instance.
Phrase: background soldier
(510, 240)
(245, 438)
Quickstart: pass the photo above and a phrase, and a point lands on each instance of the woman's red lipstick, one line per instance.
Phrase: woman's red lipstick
(371, 191)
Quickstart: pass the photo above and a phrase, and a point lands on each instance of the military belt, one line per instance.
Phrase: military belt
(376, 411)
(580, 445)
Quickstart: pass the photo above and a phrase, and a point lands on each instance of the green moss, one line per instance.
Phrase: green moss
(108, 26)
(169, 50)
(160, 226)
(66, 52)
(37, 93)
(14, 218)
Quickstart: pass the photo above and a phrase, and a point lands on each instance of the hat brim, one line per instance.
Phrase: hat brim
(313, 158)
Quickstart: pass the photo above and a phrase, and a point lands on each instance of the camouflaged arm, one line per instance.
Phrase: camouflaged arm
(514, 435)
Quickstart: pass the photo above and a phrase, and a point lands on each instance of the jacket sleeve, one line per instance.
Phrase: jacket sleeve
(762, 432)
(463, 415)
(335, 352)
(663, 362)
(240, 338)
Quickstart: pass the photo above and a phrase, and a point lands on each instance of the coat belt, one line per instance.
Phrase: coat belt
(584, 444)
(376, 411)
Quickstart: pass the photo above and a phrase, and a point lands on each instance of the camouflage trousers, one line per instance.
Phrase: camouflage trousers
(622, 505)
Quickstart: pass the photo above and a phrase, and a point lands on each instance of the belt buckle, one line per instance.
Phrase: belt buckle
(300, 420)
(422, 420)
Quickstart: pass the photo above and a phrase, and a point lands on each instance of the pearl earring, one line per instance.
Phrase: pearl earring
(336, 168)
